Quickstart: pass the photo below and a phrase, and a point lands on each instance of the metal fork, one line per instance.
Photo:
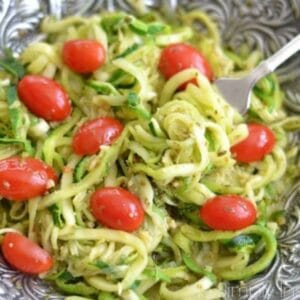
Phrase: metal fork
(237, 91)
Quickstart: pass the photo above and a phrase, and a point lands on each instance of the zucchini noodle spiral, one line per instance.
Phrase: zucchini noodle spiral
(174, 154)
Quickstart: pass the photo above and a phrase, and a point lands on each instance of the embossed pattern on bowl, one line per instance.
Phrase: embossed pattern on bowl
(263, 24)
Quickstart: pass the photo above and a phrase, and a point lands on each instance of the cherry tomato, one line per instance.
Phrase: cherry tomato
(44, 97)
(92, 134)
(25, 255)
(83, 56)
(178, 57)
(24, 178)
(117, 208)
(260, 142)
(230, 212)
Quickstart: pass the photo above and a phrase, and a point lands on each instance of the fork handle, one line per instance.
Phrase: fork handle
(278, 58)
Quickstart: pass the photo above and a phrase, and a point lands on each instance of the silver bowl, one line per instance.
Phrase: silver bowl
(262, 24)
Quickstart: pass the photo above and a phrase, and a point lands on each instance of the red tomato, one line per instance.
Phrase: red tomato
(92, 134)
(229, 212)
(117, 208)
(24, 178)
(178, 57)
(25, 255)
(260, 142)
(83, 56)
(44, 97)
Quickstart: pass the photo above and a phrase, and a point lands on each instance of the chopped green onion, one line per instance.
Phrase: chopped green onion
(157, 274)
(72, 285)
(112, 22)
(12, 65)
(155, 28)
(80, 169)
(155, 128)
(194, 267)
(139, 27)
(104, 267)
(120, 79)
(56, 215)
(103, 88)
(129, 50)
(241, 243)
(133, 102)
(136, 284)
(11, 95)
(15, 113)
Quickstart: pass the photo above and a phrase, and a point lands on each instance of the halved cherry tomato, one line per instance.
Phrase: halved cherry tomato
(178, 57)
(83, 56)
(24, 178)
(92, 134)
(117, 208)
(230, 212)
(259, 142)
(44, 97)
(25, 255)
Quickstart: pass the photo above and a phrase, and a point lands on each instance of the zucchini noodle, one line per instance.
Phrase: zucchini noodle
(174, 154)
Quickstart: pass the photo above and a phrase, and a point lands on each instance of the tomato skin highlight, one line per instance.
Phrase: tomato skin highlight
(228, 212)
(259, 143)
(24, 178)
(83, 56)
(94, 133)
(117, 208)
(44, 97)
(24, 255)
(178, 57)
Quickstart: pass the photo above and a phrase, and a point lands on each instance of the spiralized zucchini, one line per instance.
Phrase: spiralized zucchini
(174, 154)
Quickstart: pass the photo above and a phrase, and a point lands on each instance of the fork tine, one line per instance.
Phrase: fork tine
(236, 91)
